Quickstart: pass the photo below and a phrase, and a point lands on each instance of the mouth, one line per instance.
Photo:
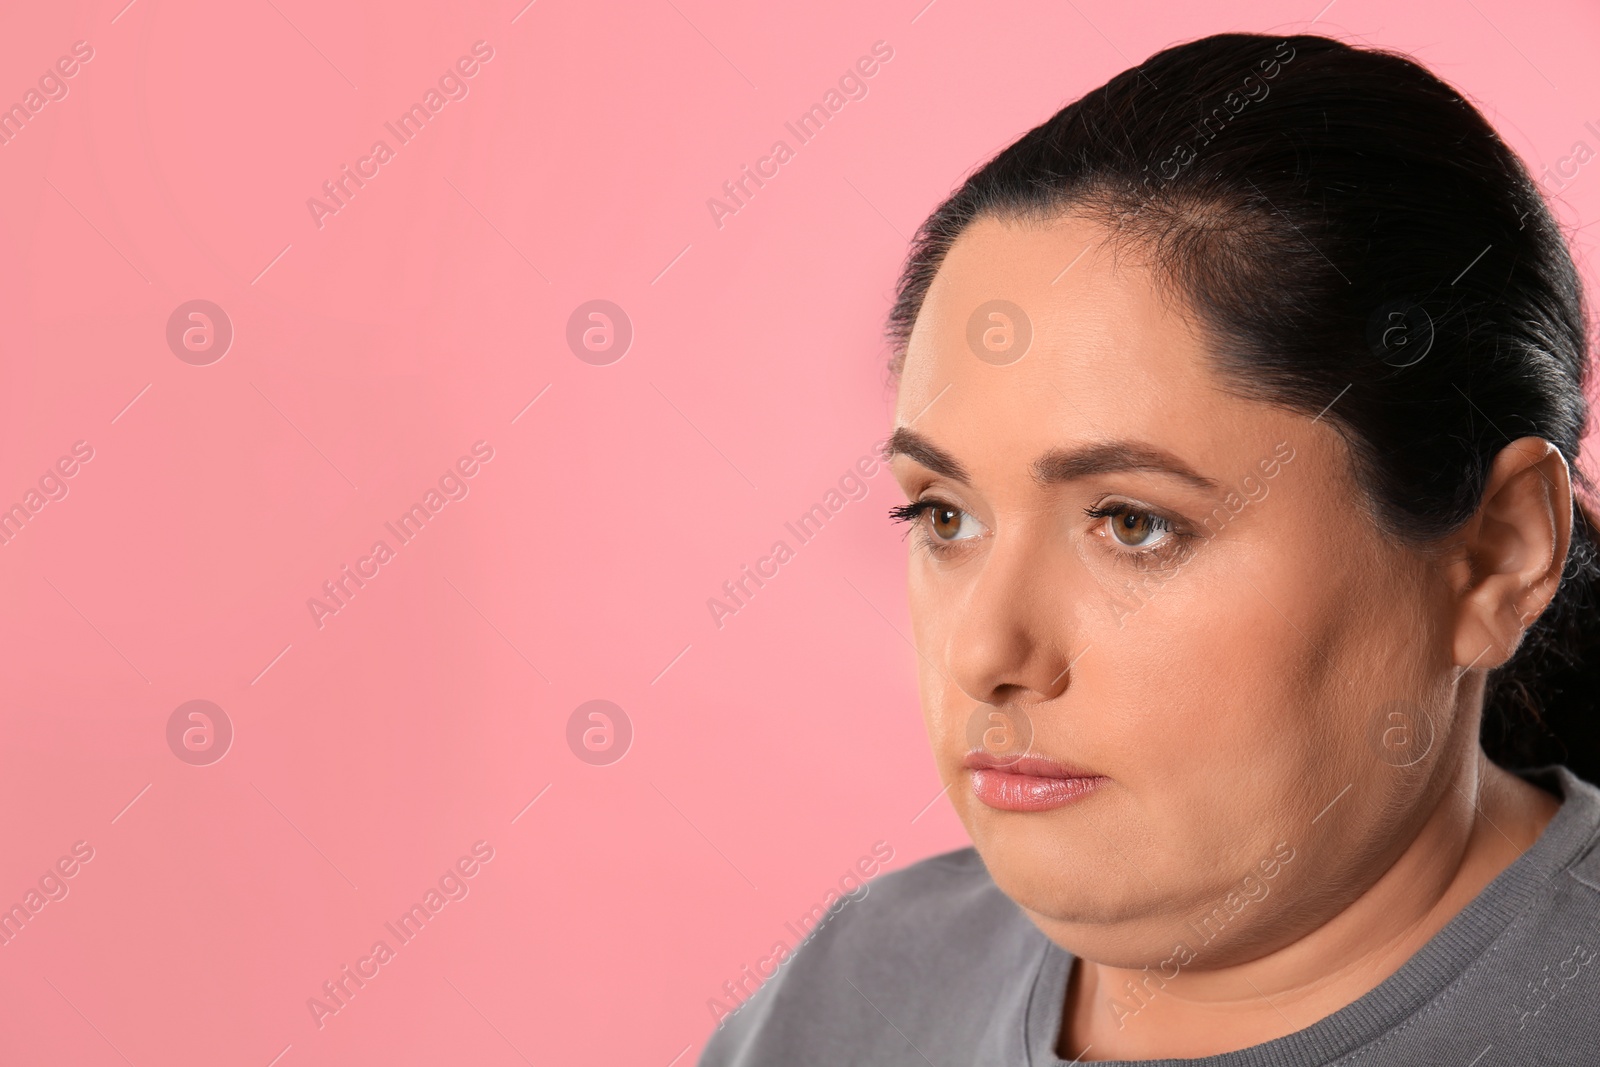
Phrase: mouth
(1028, 783)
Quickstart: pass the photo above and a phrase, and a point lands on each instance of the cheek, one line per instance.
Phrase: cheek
(928, 623)
(1184, 709)
(1213, 705)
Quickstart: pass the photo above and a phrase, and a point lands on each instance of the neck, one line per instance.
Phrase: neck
(1485, 818)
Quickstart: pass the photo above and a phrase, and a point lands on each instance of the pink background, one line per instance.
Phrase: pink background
(769, 755)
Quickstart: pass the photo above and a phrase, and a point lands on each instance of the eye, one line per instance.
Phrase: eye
(1136, 529)
(1138, 532)
(945, 524)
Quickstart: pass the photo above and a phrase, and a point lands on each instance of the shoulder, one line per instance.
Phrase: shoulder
(952, 888)
(911, 945)
(1576, 826)
(1583, 871)
(939, 907)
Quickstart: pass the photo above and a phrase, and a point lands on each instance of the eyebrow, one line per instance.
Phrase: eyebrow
(1058, 464)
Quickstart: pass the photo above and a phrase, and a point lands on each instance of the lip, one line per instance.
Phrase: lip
(1028, 783)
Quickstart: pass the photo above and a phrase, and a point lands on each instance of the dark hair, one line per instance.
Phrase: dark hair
(1330, 212)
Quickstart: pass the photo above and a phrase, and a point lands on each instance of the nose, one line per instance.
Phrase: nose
(1009, 639)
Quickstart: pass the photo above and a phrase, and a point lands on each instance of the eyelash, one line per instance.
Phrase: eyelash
(1172, 545)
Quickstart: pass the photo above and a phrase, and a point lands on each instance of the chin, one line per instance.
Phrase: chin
(1066, 874)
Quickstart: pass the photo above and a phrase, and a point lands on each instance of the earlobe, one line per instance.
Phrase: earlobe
(1514, 549)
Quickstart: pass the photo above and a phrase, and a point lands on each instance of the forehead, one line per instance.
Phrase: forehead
(1106, 354)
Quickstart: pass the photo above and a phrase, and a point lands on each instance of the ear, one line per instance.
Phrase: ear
(1512, 551)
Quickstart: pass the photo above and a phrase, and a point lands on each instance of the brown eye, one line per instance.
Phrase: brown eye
(1134, 528)
(941, 517)
(1147, 536)
(937, 524)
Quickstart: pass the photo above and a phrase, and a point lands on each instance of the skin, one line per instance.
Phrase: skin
(1236, 706)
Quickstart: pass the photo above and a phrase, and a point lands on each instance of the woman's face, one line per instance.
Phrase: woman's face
(1261, 684)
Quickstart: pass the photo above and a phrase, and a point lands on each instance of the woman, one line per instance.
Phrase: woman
(1239, 412)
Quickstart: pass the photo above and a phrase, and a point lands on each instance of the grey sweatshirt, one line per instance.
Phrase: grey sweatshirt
(936, 967)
